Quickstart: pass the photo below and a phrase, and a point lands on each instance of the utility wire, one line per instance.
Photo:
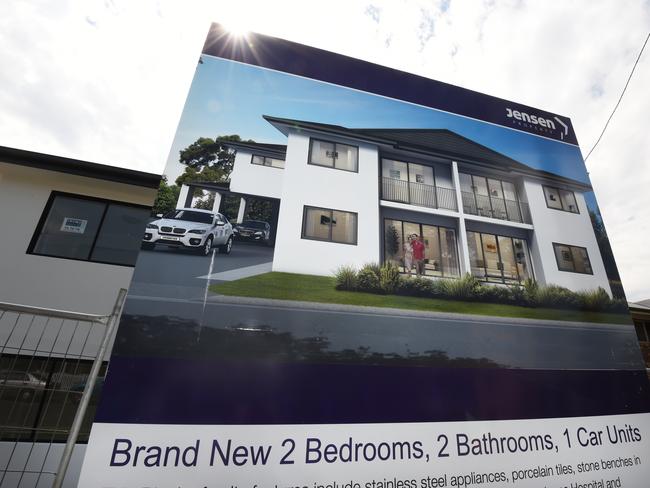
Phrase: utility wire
(619, 98)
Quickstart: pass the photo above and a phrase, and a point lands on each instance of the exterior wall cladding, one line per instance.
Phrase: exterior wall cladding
(302, 184)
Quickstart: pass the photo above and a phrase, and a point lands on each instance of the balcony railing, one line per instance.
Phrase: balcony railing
(496, 208)
(418, 194)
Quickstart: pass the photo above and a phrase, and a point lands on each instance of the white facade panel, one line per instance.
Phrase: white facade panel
(36, 280)
(255, 179)
(557, 226)
(317, 186)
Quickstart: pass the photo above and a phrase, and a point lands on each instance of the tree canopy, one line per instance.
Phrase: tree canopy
(166, 197)
(208, 159)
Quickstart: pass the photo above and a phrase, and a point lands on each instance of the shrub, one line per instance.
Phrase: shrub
(556, 297)
(518, 294)
(464, 288)
(346, 278)
(619, 305)
(374, 267)
(594, 300)
(530, 292)
(416, 287)
(493, 294)
(368, 278)
(389, 279)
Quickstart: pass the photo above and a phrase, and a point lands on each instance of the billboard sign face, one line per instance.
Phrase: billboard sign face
(356, 277)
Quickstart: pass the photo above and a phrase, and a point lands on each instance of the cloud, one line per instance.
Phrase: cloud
(106, 81)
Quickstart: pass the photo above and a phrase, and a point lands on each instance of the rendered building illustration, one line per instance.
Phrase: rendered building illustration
(354, 196)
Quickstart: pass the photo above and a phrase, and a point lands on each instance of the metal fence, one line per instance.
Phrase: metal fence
(52, 364)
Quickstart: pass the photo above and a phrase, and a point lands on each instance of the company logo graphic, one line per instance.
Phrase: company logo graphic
(539, 124)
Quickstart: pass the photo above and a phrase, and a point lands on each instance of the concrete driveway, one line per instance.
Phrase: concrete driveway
(178, 273)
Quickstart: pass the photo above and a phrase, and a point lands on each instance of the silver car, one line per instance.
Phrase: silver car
(191, 228)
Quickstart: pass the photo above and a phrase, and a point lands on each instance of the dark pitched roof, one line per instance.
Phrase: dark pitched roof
(272, 150)
(78, 167)
(436, 142)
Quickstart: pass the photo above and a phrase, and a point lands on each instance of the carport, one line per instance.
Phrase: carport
(221, 193)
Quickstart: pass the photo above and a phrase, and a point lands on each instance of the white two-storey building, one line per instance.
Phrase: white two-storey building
(353, 196)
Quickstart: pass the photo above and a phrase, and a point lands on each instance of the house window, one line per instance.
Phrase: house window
(266, 161)
(334, 155)
(498, 259)
(559, 199)
(325, 224)
(440, 247)
(572, 258)
(90, 229)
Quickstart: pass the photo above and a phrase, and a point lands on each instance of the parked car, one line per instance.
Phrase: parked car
(253, 230)
(20, 384)
(191, 228)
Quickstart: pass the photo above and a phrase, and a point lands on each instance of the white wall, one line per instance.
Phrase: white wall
(47, 281)
(255, 179)
(564, 228)
(306, 184)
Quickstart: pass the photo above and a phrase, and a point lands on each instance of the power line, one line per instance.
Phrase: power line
(619, 98)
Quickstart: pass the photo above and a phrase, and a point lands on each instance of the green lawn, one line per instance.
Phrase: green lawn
(309, 288)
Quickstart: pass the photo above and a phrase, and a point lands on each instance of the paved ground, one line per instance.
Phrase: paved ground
(525, 344)
(177, 273)
(171, 285)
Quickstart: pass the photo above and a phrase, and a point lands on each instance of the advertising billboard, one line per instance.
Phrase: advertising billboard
(357, 277)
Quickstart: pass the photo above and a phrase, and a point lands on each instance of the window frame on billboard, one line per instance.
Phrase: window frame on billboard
(265, 159)
(559, 191)
(571, 247)
(305, 235)
(334, 166)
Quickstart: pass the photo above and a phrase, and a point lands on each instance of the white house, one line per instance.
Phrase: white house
(72, 230)
(353, 196)
(71, 233)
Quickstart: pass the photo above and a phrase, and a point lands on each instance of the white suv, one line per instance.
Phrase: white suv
(192, 228)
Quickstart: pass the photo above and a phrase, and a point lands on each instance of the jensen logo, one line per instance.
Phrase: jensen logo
(538, 123)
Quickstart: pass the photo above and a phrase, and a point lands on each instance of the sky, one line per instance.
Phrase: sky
(106, 81)
(227, 97)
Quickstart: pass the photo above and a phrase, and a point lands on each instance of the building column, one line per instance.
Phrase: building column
(183, 195)
(465, 265)
(242, 210)
(217, 201)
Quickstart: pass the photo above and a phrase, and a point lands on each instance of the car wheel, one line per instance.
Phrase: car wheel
(148, 246)
(227, 247)
(206, 248)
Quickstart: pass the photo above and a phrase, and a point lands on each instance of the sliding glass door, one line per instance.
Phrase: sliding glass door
(498, 259)
(440, 247)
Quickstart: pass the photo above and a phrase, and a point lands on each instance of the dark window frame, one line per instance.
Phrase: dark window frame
(46, 212)
(253, 156)
(558, 190)
(570, 246)
(311, 148)
(331, 210)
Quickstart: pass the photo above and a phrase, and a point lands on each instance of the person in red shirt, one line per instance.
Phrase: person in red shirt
(418, 254)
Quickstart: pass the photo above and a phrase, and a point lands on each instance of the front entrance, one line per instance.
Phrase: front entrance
(440, 248)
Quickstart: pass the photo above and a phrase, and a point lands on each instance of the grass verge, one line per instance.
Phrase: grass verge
(310, 288)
